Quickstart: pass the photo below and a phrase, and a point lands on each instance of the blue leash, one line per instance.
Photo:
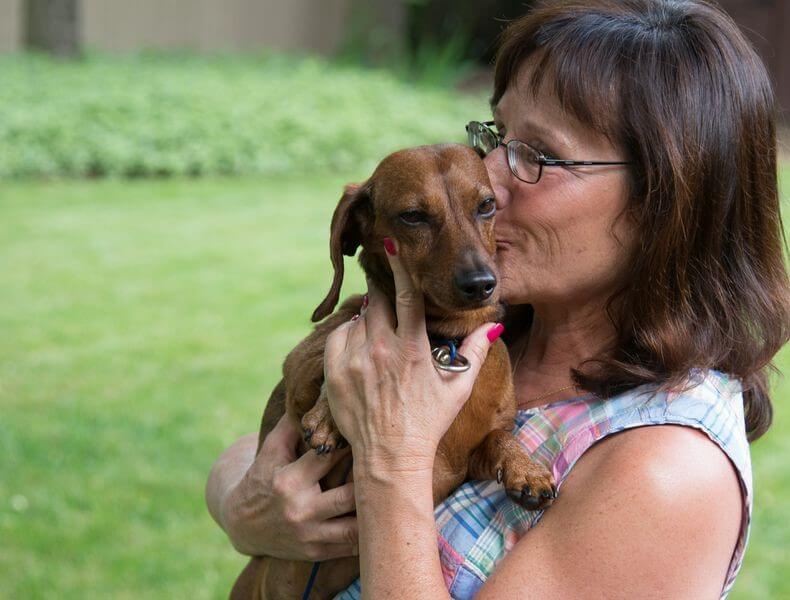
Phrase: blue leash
(316, 565)
(453, 350)
(451, 345)
(311, 581)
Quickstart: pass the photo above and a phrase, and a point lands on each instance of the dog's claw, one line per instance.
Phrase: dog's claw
(553, 492)
(308, 433)
(499, 473)
(320, 449)
(529, 501)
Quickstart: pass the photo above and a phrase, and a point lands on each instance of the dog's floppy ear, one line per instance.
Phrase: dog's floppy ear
(348, 225)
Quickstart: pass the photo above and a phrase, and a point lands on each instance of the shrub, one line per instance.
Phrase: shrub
(190, 115)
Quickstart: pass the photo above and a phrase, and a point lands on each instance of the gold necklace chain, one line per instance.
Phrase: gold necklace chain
(546, 395)
(562, 389)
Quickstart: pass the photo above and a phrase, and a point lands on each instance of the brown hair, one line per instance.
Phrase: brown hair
(676, 86)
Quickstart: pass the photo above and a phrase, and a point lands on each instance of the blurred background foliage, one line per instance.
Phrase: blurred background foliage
(404, 73)
(163, 239)
(164, 114)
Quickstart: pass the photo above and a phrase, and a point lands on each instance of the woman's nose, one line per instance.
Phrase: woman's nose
(499, 174)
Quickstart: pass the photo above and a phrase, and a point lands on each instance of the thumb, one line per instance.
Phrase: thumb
(280, 444)
(476, 345)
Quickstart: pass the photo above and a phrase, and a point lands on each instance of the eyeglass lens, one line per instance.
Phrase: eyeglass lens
(523, 160)
(481, 138)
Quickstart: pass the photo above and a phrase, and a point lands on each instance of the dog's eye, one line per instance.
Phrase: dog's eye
(414, 217)
(486, 208)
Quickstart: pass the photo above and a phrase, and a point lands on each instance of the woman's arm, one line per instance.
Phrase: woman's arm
(397, 534)
(226, 473)
(394, 406)
(272, 504)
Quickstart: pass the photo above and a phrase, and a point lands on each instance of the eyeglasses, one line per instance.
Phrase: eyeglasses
(525, 162)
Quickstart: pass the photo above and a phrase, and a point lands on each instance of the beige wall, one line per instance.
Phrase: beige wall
(10, 25)
(119, 25)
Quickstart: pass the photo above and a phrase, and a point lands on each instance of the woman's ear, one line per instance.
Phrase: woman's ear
(347, 231)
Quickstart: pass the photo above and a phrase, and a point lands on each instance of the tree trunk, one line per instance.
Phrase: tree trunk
(53, 26)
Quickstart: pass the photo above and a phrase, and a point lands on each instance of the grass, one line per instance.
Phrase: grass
(143, 326)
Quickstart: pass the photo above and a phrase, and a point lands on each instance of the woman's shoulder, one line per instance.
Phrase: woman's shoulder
(683, 452)
(666, 501)
(709, 401)
(666, 465)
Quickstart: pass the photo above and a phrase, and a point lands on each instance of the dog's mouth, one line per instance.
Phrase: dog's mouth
(456, 306)
(452, 320)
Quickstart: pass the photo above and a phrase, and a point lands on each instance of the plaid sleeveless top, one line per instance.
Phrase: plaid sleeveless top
(478, 523)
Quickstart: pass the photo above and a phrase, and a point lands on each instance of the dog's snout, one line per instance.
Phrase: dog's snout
(475, 284)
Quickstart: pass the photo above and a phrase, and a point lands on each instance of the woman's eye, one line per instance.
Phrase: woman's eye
(544, 151)
(414, 217)
(487, 207)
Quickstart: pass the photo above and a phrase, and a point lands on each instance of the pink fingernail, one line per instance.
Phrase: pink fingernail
(494, 333)
(389, 246)
(365, 301)
(355, 317)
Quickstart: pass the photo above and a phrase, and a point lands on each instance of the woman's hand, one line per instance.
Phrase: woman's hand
(277, 507)
(387, 398)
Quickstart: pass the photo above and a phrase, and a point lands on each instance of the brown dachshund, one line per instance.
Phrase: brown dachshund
(437, 202)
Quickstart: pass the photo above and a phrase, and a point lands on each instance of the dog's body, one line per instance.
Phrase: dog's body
(448, 249)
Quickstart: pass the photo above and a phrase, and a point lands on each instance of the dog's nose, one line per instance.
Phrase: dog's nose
(475, 285)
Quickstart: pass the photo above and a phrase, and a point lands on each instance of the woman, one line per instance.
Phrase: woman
(647, 297)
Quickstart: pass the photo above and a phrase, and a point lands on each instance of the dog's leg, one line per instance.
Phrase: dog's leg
(448, 474)
(501, 457)
(319, 429)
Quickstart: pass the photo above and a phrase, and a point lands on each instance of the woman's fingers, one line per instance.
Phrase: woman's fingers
(475, 349)
(357, 333)
(336, 344)
(342, 530)
(312, 467)
(330, 551)
(409, 306)
(379, 318)
(280, 444)
(335, 502)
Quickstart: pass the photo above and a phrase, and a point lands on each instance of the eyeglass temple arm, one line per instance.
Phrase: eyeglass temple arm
(552, 162)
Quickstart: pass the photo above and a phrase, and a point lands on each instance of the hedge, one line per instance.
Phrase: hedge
(192, 115)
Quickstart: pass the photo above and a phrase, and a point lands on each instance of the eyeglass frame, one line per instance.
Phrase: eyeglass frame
(543, 160)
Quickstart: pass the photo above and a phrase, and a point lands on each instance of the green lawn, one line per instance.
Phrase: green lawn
(143, 325)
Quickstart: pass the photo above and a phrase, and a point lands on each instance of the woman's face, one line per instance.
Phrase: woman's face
(560, 240)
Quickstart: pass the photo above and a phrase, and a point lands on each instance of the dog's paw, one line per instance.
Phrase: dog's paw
(320, 433)
(529, 484)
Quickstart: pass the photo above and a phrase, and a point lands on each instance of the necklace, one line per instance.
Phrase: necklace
(542, 396)
(562, 389)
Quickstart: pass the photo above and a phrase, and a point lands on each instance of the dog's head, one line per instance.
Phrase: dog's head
(438, 204)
